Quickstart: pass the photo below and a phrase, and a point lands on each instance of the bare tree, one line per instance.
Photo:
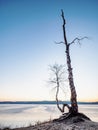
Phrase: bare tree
(74, 106)
(57, 70)
(57, 78)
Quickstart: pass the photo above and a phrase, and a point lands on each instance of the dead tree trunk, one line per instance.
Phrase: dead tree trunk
(57, 94)
(74, 105)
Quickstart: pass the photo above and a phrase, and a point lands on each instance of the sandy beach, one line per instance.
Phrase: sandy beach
(86, 125)
(78, 122)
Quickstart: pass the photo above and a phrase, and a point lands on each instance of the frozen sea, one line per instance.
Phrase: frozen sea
(20, 115)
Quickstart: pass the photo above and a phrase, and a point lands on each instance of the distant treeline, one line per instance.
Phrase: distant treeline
(42, 102)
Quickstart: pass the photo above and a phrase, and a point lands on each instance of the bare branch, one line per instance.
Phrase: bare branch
(57, 78)
(59, 42)
(52, 81)
(78, 40)
(64, 32)
(66, 105)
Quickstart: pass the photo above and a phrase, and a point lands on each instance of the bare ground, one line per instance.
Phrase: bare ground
(79, 122)
(86, 125)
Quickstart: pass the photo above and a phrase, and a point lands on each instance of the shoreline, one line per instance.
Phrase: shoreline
(67, 121)
(82, 125)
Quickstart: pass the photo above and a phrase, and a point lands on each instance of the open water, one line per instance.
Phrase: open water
(19, 115)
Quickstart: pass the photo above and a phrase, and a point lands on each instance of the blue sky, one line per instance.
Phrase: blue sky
(28, 31)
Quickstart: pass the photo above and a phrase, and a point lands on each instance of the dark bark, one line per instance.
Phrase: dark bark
(74, 106)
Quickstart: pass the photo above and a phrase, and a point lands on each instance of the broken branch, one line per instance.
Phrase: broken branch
(78, 40)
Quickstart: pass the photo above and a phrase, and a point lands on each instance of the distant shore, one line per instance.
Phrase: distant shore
(42, 102)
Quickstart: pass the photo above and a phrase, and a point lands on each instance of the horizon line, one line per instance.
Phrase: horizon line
(47, 102)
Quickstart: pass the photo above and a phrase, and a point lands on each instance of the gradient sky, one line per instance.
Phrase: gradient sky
(28, 31)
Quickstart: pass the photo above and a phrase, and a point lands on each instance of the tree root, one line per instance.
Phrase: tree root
(72, 118)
